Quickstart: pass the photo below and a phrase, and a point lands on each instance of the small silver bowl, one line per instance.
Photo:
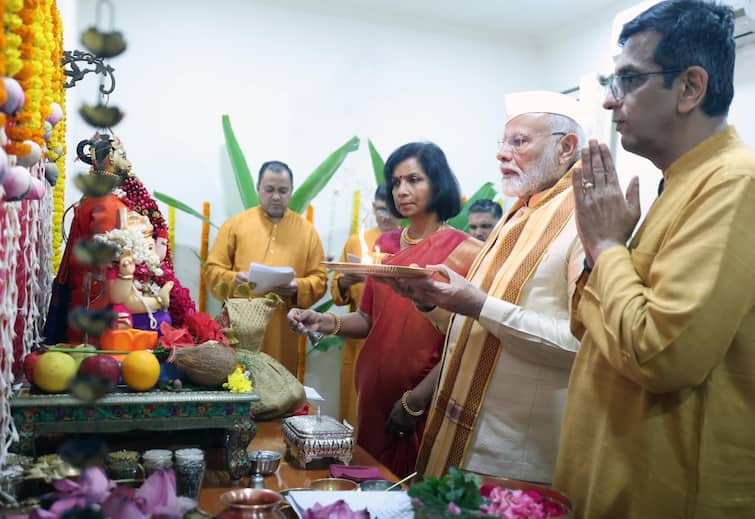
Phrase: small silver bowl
(264, 462)
(377, 485)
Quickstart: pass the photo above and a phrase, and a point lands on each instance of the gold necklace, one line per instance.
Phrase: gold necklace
(414, 241)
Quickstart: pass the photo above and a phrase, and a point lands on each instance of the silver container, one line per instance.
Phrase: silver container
(313, 437)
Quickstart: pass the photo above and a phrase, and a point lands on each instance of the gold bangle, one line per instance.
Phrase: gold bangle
(125, 277)
(409, 410)
(339, 323)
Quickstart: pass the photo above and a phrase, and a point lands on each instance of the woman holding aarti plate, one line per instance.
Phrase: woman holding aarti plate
(394, 372)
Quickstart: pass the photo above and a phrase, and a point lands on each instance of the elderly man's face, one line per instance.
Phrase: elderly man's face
(275, 192)
(528, 156)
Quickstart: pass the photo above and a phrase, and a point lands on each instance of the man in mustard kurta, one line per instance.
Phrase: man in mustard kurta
(346, 289)
(660, 418)
(273, 235)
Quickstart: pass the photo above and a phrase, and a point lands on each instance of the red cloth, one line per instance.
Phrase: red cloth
(92, 216)
(355, 472)
(401, 348)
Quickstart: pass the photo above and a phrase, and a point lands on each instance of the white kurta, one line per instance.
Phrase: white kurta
(517, 431)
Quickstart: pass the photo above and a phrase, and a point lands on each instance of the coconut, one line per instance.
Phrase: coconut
(208, 364)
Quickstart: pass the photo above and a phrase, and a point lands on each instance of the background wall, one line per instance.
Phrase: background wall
(300, 78)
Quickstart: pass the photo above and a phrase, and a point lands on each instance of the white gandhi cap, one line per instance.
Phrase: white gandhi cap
(543, 101)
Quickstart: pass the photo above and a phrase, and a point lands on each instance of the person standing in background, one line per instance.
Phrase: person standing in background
(346, 289)
(483, 215)
(273, 235)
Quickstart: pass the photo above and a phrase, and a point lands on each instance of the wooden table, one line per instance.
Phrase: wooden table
(40, 414)
(289, 476)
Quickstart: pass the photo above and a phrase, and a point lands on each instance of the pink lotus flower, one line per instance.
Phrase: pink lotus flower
(155, 498)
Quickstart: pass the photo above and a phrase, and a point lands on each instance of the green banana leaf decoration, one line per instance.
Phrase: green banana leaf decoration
(317, 180)
(244, 178)
(180, 206)
(378, 164)
(461, 220)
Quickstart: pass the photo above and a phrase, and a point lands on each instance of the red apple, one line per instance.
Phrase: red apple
(103, 366)
(29, 362)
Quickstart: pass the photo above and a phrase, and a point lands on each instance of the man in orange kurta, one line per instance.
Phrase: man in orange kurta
(272, 235)
(346, 289)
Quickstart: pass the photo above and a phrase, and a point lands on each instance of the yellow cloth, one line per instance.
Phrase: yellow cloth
(660, 416)
(251, 236)
(352, 297)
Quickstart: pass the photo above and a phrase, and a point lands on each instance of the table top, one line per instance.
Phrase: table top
(269, 437)
(25, 398)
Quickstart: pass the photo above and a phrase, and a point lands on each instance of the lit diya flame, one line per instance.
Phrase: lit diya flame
(367, 256)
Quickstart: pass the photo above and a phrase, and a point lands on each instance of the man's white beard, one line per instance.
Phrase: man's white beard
(536, 178)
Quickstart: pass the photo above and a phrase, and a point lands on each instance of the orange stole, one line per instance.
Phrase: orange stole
(460, 396)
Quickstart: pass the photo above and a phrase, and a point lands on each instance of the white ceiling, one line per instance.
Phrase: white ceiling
(526, 18)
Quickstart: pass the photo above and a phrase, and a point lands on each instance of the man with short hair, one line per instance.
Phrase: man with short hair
(273, 235)
(509, 349)
(346, 289)
(482, 216)
(660, 415)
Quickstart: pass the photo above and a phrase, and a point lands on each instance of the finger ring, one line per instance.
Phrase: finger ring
(401, 434)
(587, 185)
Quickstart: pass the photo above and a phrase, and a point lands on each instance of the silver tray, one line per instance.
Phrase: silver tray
(313, 437)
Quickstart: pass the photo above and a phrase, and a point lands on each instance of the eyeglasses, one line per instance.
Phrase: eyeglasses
(520, 143)
(623, 84)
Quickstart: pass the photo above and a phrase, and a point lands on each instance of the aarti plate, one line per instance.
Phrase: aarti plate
(387, 271)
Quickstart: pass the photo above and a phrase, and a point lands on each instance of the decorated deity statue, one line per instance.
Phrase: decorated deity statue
(76, 284)
(132, 291)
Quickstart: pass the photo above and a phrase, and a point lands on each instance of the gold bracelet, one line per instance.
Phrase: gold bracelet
(125, 277)
(339, 323)
(409, 410)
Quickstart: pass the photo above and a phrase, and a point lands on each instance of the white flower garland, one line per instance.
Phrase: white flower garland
(134, 242)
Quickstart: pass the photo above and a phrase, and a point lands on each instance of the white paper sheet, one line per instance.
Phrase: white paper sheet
(311, 393)
(380, 505)
(264, 278)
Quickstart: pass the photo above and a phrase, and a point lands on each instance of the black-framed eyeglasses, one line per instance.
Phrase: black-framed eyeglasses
(520, 143)
(623, 84)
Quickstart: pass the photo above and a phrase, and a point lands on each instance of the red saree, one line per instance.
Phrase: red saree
(402, 346)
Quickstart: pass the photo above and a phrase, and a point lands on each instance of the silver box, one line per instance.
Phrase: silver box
(313, 437)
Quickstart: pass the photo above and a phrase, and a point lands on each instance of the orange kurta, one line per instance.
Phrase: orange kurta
(348, 401)
(252, 237)
(91, 216)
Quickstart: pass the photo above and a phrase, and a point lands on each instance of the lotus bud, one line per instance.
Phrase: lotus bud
(51, 173)
(32, 157)
(56, 114)
(17, 183)
(16, 98)
(36, 191)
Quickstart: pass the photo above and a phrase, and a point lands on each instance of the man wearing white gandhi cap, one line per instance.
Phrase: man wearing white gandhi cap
(499, 404)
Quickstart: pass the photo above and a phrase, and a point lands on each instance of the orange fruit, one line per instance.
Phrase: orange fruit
(140, 370)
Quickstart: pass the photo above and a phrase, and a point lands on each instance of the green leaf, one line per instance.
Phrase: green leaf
(460, 221)
(378, 165)
(324, 306)
(327, 343)
(201, 261)
(181, 206)
(244, 179)
(317, 180)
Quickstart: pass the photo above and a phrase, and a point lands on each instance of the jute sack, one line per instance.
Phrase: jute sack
(280, 392)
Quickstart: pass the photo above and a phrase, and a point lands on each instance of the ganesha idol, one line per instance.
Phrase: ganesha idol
(137, 299)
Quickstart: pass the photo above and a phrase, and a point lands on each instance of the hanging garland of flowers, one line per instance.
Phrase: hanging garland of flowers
(57, 145)
(30, 68)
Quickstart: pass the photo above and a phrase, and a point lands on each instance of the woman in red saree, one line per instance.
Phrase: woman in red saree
(393, 372)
